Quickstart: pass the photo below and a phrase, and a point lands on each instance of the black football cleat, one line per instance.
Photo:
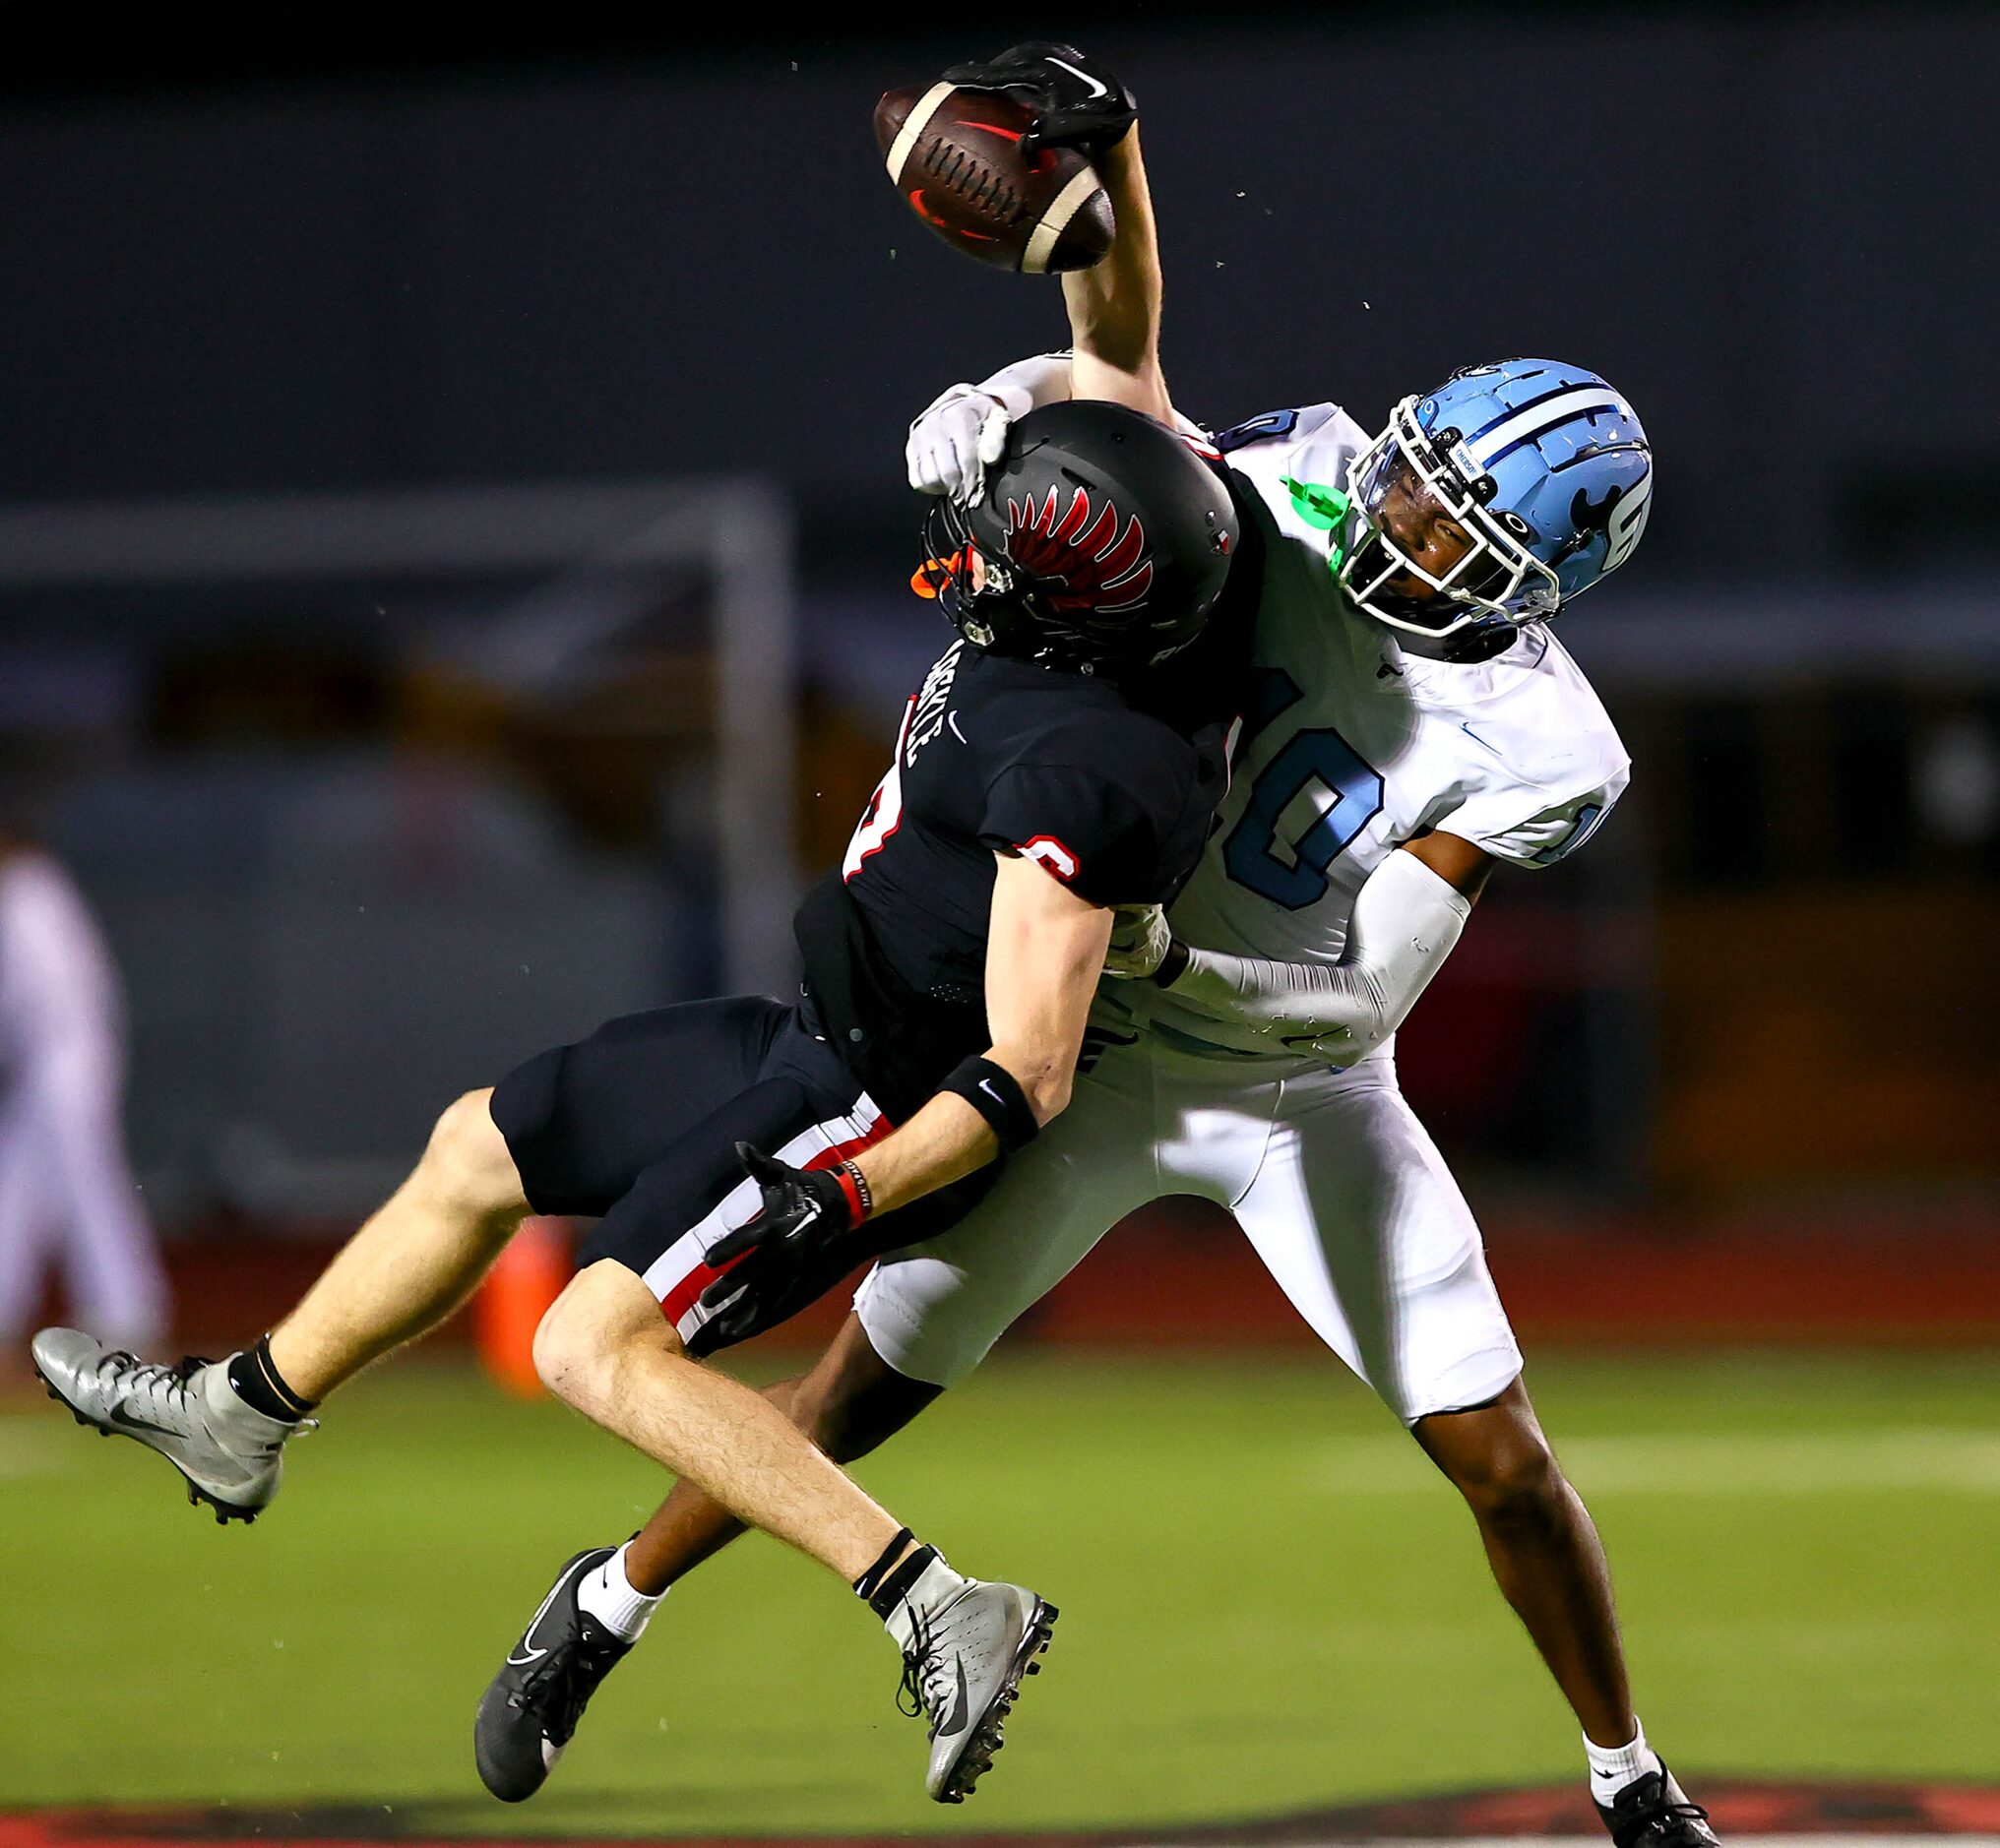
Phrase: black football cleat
(1653, 1811)
(531, 1708)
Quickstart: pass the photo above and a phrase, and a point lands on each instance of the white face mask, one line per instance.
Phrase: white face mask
(1401, 480)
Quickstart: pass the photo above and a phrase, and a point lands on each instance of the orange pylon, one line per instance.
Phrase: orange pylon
(528, 1276)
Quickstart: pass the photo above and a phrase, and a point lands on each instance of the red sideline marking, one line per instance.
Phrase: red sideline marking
(700, 1276)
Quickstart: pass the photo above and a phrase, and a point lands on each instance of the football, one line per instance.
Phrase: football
(955, 156)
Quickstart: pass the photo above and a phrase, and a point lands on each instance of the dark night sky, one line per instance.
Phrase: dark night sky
(252, 268)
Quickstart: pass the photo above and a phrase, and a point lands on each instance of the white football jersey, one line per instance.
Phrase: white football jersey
(1352, 746)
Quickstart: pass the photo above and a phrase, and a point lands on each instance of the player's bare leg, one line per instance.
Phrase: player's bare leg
(1544, 1551)
(416, 1259)
(965, 1644)
(223, 1425)
(605, 1350)
(849, 1401)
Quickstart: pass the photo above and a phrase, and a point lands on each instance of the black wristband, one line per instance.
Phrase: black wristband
(993, 1091)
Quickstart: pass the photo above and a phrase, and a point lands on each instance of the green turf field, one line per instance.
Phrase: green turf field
(1268, 1601)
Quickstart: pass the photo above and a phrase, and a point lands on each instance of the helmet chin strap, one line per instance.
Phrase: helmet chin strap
(1480, 644)
(1463, 648)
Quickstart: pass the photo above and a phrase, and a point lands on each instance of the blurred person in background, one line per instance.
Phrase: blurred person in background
(67, 1197)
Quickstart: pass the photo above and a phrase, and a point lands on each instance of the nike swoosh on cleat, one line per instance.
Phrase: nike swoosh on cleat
(955, 1722)
(526, 1641)
(118, 1415)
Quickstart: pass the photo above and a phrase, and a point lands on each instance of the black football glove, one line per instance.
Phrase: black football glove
(1076, 103)
(805, 1239)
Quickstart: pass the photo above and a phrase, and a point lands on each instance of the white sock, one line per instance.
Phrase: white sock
(936, 1584)
(608, 1596)
(1612, 1767)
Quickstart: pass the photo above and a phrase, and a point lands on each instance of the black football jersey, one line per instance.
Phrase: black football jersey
(1110, 788)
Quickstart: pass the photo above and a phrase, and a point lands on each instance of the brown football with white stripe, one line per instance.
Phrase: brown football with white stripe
(955, 156)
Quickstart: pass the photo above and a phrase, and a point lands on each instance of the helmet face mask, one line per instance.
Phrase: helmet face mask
(1489, 503)
(977, 592)
(1411, 497)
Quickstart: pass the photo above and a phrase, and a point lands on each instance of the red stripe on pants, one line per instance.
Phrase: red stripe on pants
(683, 1294)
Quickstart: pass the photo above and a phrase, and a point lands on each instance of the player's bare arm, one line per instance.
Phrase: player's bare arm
(1114, 305)
(1114, 316)
(1453, 859)
(1044, 952)
(1042, 958)
(1076, 103)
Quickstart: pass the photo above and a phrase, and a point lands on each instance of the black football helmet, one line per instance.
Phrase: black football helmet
(1103, 542)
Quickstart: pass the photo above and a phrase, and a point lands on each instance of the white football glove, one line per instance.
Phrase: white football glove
(1140, 940)
(952, 443)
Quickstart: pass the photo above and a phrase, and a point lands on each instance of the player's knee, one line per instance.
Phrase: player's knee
(828, 1413)
(566, 1360)
(469, 1161)
(1515, 1485)
(848, 1414)
(604, 1323)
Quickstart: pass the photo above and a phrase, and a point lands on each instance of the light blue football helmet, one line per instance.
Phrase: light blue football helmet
(1543, 465)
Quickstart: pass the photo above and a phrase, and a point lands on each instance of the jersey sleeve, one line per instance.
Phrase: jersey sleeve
(1534, 826)
(1085, 829)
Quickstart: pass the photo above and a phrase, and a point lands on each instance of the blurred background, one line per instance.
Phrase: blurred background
(453, 563)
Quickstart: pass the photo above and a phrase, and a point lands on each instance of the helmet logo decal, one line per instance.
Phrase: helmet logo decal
(1588, 516)
(1087, 556)
(1627, 521)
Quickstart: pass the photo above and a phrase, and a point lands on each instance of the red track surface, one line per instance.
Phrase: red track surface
(1178, 1275)
(1740, 1809)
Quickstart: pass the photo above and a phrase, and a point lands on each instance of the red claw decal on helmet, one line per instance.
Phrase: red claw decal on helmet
(1100, 567)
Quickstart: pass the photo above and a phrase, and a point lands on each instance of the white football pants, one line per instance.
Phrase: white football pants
(1331, 1176)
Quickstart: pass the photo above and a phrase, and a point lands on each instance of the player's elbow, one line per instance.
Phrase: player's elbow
(1351, 1023)
(1046, 1075)
(1049, 1096)
(1350, 1041)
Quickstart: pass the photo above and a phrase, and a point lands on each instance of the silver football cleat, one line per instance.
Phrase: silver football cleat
(229, 1453)
(962, 1667)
